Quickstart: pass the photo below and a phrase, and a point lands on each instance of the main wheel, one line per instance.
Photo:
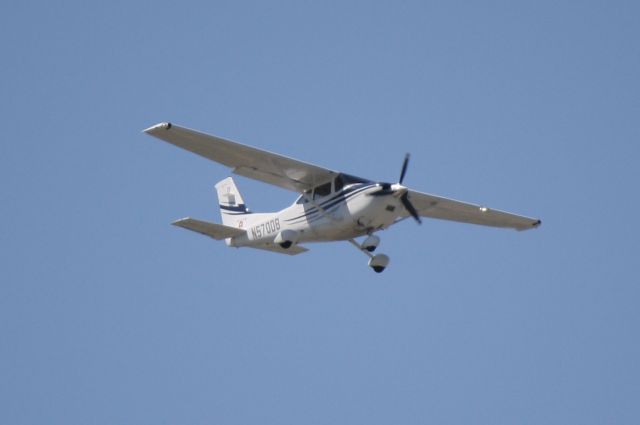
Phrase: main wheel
(379, 262)
(371, 243)
(286, 244)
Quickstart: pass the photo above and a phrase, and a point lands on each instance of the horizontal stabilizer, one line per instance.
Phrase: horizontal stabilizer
(216, 231)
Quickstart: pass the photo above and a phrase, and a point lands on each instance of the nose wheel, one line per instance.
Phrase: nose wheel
(378, 262)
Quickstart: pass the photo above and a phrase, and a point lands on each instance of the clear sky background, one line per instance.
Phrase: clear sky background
(109, 315)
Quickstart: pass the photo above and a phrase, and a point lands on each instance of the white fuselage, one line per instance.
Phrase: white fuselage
(350, 212)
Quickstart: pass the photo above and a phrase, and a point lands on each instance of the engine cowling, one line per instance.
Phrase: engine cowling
(286, 238)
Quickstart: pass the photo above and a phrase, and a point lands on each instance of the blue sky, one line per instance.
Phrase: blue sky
(109, 315)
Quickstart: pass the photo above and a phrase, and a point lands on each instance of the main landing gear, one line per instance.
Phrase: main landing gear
(377, 262)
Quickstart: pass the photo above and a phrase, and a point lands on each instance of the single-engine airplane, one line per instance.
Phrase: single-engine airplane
(332, 206)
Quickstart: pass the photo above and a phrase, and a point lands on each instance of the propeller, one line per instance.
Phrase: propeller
(405, 197)
(409, 206)
(405, 165)
(386, 189)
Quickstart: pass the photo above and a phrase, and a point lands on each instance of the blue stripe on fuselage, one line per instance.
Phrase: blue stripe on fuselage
(330, 203)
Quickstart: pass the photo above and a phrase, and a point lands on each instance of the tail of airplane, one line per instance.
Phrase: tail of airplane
(231, 203)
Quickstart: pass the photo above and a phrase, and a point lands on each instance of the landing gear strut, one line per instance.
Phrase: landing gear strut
(377, 262)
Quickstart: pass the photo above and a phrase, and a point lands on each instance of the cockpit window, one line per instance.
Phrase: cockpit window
(322, 190)
(338, 184)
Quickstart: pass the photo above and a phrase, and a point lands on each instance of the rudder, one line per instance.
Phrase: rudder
(230, 201)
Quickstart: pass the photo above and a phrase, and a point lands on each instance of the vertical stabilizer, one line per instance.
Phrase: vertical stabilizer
(232, 206)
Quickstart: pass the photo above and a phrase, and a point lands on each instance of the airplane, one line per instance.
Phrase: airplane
(332, 206)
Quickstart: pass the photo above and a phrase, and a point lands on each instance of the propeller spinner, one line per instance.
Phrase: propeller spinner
(388, 189)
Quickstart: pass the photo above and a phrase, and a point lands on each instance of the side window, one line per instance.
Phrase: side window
(322, 190)
(338, 184)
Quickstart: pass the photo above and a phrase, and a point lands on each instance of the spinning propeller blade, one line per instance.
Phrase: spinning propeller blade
(405, 164)
(405, 198)
(409, 206)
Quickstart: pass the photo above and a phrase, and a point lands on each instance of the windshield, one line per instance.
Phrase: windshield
(345, 180)
(303, 199)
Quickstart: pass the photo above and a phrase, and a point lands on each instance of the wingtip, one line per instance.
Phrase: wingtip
(157, 127)
(180, 221)
(534, 225)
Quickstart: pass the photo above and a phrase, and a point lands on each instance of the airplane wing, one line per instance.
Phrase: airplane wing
(434, 206)
(245, 160)
(213, 230)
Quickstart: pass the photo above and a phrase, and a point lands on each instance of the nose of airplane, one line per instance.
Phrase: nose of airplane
(398, 190)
